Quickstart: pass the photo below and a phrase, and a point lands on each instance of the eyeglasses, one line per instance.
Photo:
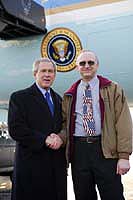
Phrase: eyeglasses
(83, 63)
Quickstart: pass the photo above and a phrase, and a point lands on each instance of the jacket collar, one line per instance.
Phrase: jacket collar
(103, 82)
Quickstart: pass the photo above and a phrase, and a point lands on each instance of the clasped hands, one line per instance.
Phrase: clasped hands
(53, 141)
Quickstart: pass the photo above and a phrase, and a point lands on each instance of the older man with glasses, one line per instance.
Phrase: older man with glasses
(98, 126)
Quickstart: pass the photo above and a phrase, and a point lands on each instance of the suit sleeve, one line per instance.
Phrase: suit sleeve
(18, 126)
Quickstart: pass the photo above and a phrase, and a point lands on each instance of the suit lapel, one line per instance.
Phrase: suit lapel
(35, 92)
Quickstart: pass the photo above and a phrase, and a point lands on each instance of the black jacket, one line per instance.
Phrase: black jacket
(38, 171)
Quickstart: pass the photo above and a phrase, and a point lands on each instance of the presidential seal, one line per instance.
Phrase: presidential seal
(61, 45)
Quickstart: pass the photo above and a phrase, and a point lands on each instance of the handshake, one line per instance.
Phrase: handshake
(53, 141)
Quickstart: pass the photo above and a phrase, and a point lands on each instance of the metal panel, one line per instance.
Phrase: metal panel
(29, 11)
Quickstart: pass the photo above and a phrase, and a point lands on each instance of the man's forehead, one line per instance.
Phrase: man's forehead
(46, 64)
(86, 55)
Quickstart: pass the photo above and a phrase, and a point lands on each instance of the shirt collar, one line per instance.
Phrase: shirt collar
(42, 90)
(92, 82)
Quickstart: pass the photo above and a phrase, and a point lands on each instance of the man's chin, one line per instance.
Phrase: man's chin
(45, 86)
(87, 75)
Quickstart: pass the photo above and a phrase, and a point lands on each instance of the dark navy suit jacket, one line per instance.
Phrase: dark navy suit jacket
(38, 169)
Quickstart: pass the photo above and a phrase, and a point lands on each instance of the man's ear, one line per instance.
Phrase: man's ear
(34, 74)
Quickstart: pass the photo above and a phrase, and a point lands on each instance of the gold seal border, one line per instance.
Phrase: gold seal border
(68, 33)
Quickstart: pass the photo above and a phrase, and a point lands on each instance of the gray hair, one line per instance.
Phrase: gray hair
(44, 60)
(89, 52)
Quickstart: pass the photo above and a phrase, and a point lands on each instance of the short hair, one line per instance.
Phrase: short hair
(87, 51)
(44, 60)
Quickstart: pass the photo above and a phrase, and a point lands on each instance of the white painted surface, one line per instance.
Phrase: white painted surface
(91, 13)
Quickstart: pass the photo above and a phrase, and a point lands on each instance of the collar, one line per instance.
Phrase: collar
(42, 90)
(92, 82)
(103, 82)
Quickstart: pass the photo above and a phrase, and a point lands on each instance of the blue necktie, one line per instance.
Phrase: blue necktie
(50, 104)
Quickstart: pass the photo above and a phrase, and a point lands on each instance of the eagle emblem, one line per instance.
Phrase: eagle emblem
(61, 50)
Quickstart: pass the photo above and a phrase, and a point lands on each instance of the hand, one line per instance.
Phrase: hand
(53, 141)
(123, 166)
(56, 141)
(48, 141)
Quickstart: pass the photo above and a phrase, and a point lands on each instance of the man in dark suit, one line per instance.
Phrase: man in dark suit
(35, 121)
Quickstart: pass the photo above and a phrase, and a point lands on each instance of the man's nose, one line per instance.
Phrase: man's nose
(46, 73)
(87, 65)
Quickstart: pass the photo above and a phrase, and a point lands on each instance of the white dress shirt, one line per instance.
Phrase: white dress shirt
(43, 91)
